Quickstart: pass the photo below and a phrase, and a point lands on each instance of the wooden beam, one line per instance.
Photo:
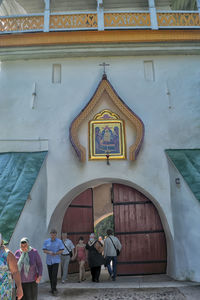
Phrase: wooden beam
(98, 37)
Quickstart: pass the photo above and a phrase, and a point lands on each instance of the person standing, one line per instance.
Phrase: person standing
(53, 247)
(80, 255)
(30, 267)
(95, 258)
(8, 270)
(66, 255)
(111, 245)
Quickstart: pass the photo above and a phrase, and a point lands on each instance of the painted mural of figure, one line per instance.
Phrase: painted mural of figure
(116, 138)
(107, 136)
(98, 138)
(107, 139)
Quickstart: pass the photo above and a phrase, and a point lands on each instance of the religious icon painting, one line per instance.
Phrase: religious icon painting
(107, 136)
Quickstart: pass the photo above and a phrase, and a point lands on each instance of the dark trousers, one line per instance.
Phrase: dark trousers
(95, 272)
(112, 271)
(53, 273)
(30, 290)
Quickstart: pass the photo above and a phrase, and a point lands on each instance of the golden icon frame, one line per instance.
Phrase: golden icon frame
(107, 137)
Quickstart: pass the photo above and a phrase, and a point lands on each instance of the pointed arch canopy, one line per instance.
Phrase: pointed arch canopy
(105, 85)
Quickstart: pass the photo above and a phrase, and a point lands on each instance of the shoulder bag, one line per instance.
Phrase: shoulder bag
(117, 250)
(70, 252)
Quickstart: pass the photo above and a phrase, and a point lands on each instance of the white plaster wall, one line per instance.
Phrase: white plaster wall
(169, 107)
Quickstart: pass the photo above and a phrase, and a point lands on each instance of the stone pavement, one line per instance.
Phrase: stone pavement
(149, 287)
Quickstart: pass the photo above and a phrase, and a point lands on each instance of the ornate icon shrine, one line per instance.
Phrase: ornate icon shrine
(107, 136)
(107, 129)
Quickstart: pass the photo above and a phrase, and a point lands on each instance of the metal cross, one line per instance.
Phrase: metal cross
(107, 157)
(104, 65)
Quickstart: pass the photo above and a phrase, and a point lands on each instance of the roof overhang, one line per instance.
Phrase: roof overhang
(19, 171)
(187, 162)
(101, 43)
(37, 6)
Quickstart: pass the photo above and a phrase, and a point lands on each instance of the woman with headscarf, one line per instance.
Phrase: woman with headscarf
(30, 267)
(95, 258)
(8, 269)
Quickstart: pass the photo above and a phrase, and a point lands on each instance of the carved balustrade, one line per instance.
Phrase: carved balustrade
(124, 20)
(73, 21)
(21, 23)
(89, 21)
(177, 19)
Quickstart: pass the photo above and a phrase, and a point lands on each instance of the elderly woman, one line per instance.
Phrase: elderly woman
(8, 269)
(95, 258)
(30, 267)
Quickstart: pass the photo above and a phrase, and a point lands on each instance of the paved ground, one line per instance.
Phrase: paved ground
(154, 287)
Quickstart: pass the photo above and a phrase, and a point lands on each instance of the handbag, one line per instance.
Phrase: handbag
(117, 250)
(70, 252)
(99, 247)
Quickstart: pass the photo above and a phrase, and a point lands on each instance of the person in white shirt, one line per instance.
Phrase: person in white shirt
(111, 245)
(65, 256)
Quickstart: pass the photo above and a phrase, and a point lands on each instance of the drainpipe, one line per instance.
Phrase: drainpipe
(46, 15)
(153, 14)
(100, 15)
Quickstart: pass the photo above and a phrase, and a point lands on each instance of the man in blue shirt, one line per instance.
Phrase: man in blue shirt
(53, 247)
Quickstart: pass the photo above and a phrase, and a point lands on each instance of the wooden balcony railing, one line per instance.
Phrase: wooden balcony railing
(178, 19)
(119, 20)
(24, 23)
(78, 21)
(89, 21)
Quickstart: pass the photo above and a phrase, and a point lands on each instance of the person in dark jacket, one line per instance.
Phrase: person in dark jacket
(95, 258)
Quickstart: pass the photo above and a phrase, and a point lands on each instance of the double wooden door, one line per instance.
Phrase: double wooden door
(137, 225)
(139, 228)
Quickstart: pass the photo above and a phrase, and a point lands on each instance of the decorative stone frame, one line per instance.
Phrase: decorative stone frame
(105, 85)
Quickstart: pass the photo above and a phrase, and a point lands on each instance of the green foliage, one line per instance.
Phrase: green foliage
(101, 228)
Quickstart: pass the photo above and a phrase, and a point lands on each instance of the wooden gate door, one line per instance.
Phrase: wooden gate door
(139, 228)
(78, 221)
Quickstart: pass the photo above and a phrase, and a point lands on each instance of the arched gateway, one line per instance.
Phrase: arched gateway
(137, 224)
